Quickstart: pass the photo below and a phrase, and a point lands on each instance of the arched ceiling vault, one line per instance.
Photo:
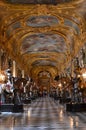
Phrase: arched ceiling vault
(43, 37)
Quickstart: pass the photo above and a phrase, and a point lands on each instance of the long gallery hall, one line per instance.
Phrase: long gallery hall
(42, 64)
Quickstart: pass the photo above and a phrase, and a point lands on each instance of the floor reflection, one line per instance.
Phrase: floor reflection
(43, 114)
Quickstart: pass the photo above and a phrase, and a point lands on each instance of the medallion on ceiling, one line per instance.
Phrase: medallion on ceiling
(42, 21)
(43, 42)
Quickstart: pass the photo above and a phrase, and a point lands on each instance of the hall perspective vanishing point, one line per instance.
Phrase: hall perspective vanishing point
(42, 36)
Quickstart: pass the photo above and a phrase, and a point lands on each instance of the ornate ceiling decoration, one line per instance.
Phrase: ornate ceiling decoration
(41, 21)
(43, 37)
(43, 42)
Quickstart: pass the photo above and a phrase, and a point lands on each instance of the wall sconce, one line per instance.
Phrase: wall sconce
(78, 75)
(84, 75)
(2, 77)
(60, 85)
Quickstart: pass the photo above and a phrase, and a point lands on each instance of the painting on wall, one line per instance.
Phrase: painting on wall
(43, 42)
(41, 21)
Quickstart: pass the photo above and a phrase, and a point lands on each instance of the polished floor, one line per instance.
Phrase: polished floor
(43, 114)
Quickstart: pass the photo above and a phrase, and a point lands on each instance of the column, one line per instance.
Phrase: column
(14, 69)
(22, 73)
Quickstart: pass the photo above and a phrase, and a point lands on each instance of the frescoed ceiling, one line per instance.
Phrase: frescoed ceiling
(42, 37)
(41, 42)
(38, 1)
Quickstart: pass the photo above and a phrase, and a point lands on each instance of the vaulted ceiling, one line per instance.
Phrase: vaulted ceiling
(43, 35)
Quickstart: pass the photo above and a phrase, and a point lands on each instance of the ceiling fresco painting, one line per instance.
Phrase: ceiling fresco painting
(16, 25)
(8, 32)
(44, 63)
(44, 73)
(38, 1)
(41, 42)
(42, 21)
(42, 35)
(72, 24)
(12, 27)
